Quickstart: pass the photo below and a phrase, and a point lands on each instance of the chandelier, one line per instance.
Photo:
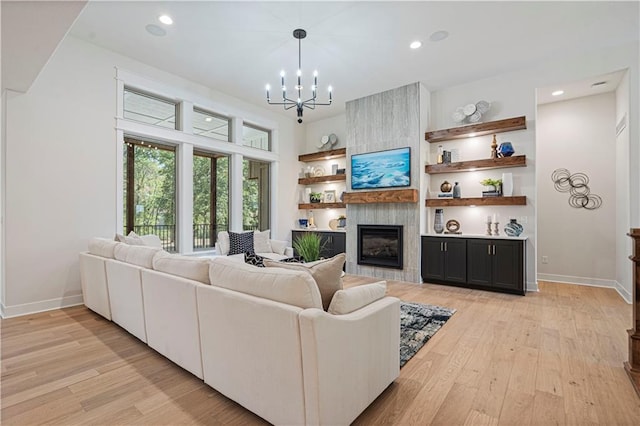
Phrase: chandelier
(298, 103)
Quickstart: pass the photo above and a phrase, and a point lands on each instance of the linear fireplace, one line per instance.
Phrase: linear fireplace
(380, 245)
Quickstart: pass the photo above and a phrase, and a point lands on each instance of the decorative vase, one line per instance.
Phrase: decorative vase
(342, 222)
(456, 190)
(507, 184)
(513, 228)
(505, 149)
(438, 223)
(445, 187)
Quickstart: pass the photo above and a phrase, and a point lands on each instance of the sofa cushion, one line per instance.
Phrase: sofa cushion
(254, 260)
(193, 268)
(240, 243)
(295, 288)
(354, 298)
(136, 255)
(327, 274)
(223, 242)
(261, 242)
(102, 247)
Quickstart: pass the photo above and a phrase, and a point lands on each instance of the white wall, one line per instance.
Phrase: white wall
(624, 246)
(61, 151)
(580, 245)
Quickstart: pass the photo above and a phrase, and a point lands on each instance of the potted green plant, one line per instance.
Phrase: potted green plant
(308, 246)
(492, 184)
(315, 197)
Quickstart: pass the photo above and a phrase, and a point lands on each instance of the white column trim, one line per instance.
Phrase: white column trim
(184, 187)
(235, 192)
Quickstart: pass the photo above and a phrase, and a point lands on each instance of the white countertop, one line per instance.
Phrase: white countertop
(502, 236)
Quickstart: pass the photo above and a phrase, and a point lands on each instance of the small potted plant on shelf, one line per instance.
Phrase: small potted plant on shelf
(493, 187)
(342, 221)
(315, 197)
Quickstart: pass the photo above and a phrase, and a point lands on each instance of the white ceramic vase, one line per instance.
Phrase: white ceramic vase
(507, 184)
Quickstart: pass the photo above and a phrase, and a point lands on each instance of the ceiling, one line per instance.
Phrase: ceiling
(359, 48)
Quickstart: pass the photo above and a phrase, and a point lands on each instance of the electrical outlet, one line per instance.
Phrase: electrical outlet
(545, 259)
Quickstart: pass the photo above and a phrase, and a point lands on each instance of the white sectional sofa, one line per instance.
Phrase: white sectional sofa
(257, 335)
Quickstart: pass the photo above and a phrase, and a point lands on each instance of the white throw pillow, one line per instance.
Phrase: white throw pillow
(151, 240)
(261, 242)
(354, 298)
(223, 242)
(133, 239)
(327, 274)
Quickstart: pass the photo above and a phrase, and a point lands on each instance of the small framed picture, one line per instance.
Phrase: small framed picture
(330, 196)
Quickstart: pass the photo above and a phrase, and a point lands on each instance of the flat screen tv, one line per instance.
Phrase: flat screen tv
(381, 169)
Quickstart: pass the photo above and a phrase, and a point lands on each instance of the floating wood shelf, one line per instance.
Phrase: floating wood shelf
(322, 179)
(314, 206)
(520, 200)
(490, 163)
(323, 155)
(383, 196)
(478, 129)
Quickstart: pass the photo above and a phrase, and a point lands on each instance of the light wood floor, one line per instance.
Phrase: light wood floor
(553, 357)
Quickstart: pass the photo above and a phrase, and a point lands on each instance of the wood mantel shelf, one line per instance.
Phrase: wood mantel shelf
(314, 206)
(520, 200)
(323, 155)
(489, 163)
(322, 179)
(382, 196)
(478, 129)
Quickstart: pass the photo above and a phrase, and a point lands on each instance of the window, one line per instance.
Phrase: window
(256, 137)
(255, 201)
(150, 190)
(148, 109)
(211, 125)
(210, 198)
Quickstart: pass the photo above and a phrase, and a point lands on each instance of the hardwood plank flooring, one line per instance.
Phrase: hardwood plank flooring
(548, 358)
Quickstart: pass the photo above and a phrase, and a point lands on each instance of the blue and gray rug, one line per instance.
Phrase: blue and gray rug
(418, 323)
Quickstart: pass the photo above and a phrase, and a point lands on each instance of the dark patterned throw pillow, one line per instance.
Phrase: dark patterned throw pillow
(240, 243)
(294, 259)
(254, 259)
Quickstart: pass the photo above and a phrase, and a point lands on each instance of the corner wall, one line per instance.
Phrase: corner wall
(375, 123)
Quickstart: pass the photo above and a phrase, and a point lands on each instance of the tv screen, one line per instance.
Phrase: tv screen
(381, 169)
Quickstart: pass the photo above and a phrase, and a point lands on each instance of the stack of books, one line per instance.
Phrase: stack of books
(494, 193)
(445, 195)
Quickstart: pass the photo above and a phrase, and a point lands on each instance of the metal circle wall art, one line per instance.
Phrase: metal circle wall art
(576, 185)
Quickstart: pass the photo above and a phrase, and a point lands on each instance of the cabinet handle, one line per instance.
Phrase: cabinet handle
(494, 249)
(489, 249)
(445, 246)
(441, 246)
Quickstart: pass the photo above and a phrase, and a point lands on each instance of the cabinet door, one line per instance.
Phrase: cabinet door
(508, 265)
(432, 259)
(455, 260)
(338, 243)
(479, 261)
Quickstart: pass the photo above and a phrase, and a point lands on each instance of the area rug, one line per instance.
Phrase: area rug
(418, 323)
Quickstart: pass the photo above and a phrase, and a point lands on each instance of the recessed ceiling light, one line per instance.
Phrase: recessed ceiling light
(599, 83)
(415, 44)
(165, 19)
(439, 35)
(155, 30)
(207, 119)
(557, 93)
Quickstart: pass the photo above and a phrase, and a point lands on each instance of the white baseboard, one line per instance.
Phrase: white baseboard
(42, 306)
(591, 282)
(623, 293)
(532, 286)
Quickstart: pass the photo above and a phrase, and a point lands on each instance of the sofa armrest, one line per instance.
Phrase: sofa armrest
(280, 247)
(348, 360)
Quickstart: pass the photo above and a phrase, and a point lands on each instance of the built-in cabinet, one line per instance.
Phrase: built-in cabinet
(473, 130)
(493, 264)
(334, 242)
